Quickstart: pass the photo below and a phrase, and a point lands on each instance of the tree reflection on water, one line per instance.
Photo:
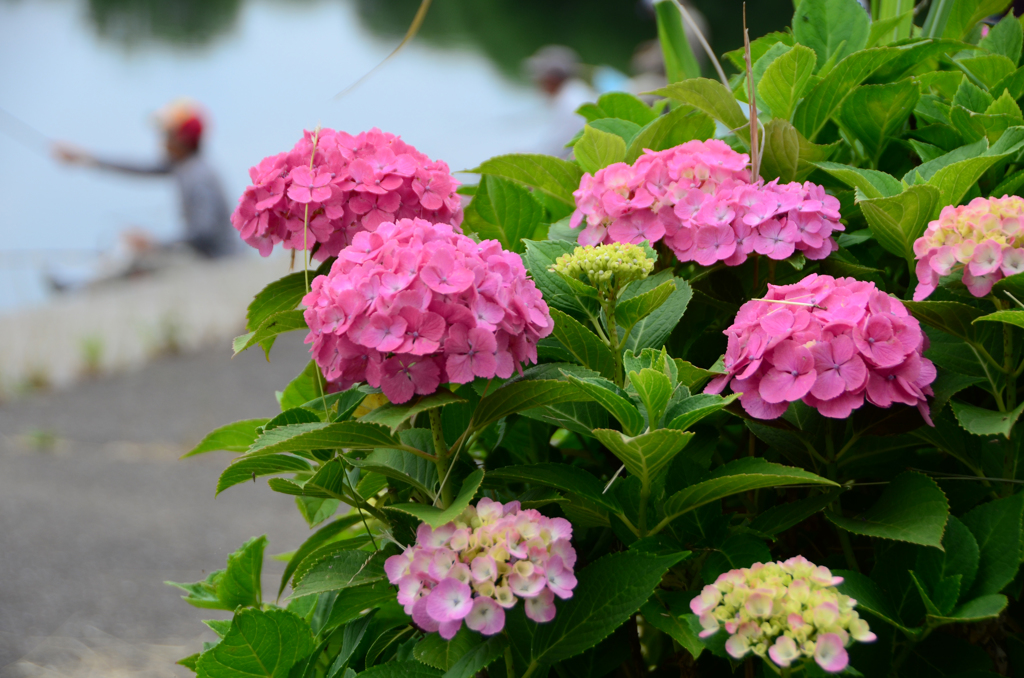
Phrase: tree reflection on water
(179, 22)
(506, 31)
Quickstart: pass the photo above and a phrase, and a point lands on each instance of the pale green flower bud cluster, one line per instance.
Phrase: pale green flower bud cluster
(787, 611)
(606, 266)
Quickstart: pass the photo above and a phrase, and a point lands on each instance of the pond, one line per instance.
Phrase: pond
(92, 73)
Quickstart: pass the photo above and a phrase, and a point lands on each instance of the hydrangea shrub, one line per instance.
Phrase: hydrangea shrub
(598, 416)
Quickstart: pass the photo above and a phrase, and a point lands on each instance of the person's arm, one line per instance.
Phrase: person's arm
(76, 156)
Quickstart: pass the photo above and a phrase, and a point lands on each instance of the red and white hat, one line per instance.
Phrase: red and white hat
(184, 119)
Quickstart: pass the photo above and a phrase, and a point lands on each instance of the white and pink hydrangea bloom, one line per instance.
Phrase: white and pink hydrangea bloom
(413, 305)
(698, 199)
(983, 241)
(475, 568)
(833, 343)
(349, 185)
(785, 612)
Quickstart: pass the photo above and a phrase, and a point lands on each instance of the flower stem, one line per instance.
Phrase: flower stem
(1011, 377)
(645, 496)
(844, 541)
(510, 665)
(355, 496)
(613, 339)
(833, 474)
(441, 456)
(1010, 456)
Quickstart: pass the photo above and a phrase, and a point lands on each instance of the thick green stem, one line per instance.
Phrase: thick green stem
(846, 544)
(629, 525)
(1011, 377)
(1010, 456)
(645, 496)
(441, 456)
(613, 341)
(510, 665)
(832, 471)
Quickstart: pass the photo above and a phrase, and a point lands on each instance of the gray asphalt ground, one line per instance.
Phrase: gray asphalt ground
(96, 511)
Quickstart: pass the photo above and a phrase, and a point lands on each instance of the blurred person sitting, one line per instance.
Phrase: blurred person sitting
(648, 65)
(208, 230)
(556, 71)
(648, 62)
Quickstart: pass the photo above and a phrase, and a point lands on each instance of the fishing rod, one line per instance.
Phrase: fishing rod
(24, 133)
(414, 27)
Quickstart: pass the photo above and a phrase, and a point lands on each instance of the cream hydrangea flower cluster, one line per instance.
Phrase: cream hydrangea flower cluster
(481, 564)
(984, 239)
(606, 266)
(789, 611)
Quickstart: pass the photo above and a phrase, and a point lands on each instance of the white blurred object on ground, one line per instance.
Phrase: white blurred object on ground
(82, 651)
(121, 325)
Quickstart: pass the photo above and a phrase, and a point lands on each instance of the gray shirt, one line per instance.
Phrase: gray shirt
(208, 228)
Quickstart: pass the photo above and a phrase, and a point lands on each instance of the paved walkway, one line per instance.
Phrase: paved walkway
(96, 511)
(120, 327)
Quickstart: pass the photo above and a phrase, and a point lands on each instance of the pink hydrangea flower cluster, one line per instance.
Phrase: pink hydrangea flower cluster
(984, 239)
(831, 342)
(475, 568)
(698, 198)
(787, 611)
(353, 184)
(412, 305)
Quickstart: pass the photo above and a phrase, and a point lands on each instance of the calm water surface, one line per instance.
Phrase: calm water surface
(272, 74)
